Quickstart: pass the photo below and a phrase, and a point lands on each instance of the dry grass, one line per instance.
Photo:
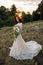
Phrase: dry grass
(31, 31)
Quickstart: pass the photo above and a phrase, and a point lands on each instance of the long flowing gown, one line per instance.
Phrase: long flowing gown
(21, 50)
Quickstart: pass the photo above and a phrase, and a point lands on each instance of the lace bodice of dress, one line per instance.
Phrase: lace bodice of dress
(20, 25)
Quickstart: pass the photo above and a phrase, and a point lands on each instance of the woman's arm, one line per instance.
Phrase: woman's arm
(17, 19)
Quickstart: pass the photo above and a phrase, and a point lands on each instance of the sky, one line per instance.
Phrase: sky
(25, 5)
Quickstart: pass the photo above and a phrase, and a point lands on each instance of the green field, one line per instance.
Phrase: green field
(31, 31)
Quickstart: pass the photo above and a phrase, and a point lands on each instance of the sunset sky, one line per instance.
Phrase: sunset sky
(25, 5)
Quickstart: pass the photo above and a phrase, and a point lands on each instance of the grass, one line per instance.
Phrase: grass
(31, 31)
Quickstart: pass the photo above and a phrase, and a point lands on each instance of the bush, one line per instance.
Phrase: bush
(1, 23)
(10, 21)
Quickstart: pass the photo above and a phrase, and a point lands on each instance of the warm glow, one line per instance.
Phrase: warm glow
(19, 14)
(25, 5)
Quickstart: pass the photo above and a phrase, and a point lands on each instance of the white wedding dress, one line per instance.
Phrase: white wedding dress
(21, 50)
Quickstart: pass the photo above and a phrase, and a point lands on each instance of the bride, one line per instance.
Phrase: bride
(20, 49)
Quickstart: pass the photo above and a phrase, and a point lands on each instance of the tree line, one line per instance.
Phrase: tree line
(7, 16)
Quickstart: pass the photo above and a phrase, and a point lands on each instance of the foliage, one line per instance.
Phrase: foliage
(7, 16)
(2, 12)
(1, 22)
(10, 21)
(16, 31)
(40, 9)
(35, 16)
(26, 17)
(13, 10)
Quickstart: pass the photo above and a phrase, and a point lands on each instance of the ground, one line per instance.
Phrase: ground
(31, 31)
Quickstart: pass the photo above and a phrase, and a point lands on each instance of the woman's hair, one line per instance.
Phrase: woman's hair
(19, 19)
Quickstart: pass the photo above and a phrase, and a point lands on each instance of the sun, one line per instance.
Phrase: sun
(19, 14)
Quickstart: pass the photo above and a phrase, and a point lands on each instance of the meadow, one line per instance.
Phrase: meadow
(31, 31)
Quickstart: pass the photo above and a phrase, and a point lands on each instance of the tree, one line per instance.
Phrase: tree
(35, 16)
(26, 17)
(23, 17)
(10, 21)
(8, 13)
(40, 9)
(7, 17)
(1, 23)
(13, 10)
(2, 12)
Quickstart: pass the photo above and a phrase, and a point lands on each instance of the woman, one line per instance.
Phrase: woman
(20, 49)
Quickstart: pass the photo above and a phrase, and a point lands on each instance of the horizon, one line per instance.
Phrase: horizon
(23, 5)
